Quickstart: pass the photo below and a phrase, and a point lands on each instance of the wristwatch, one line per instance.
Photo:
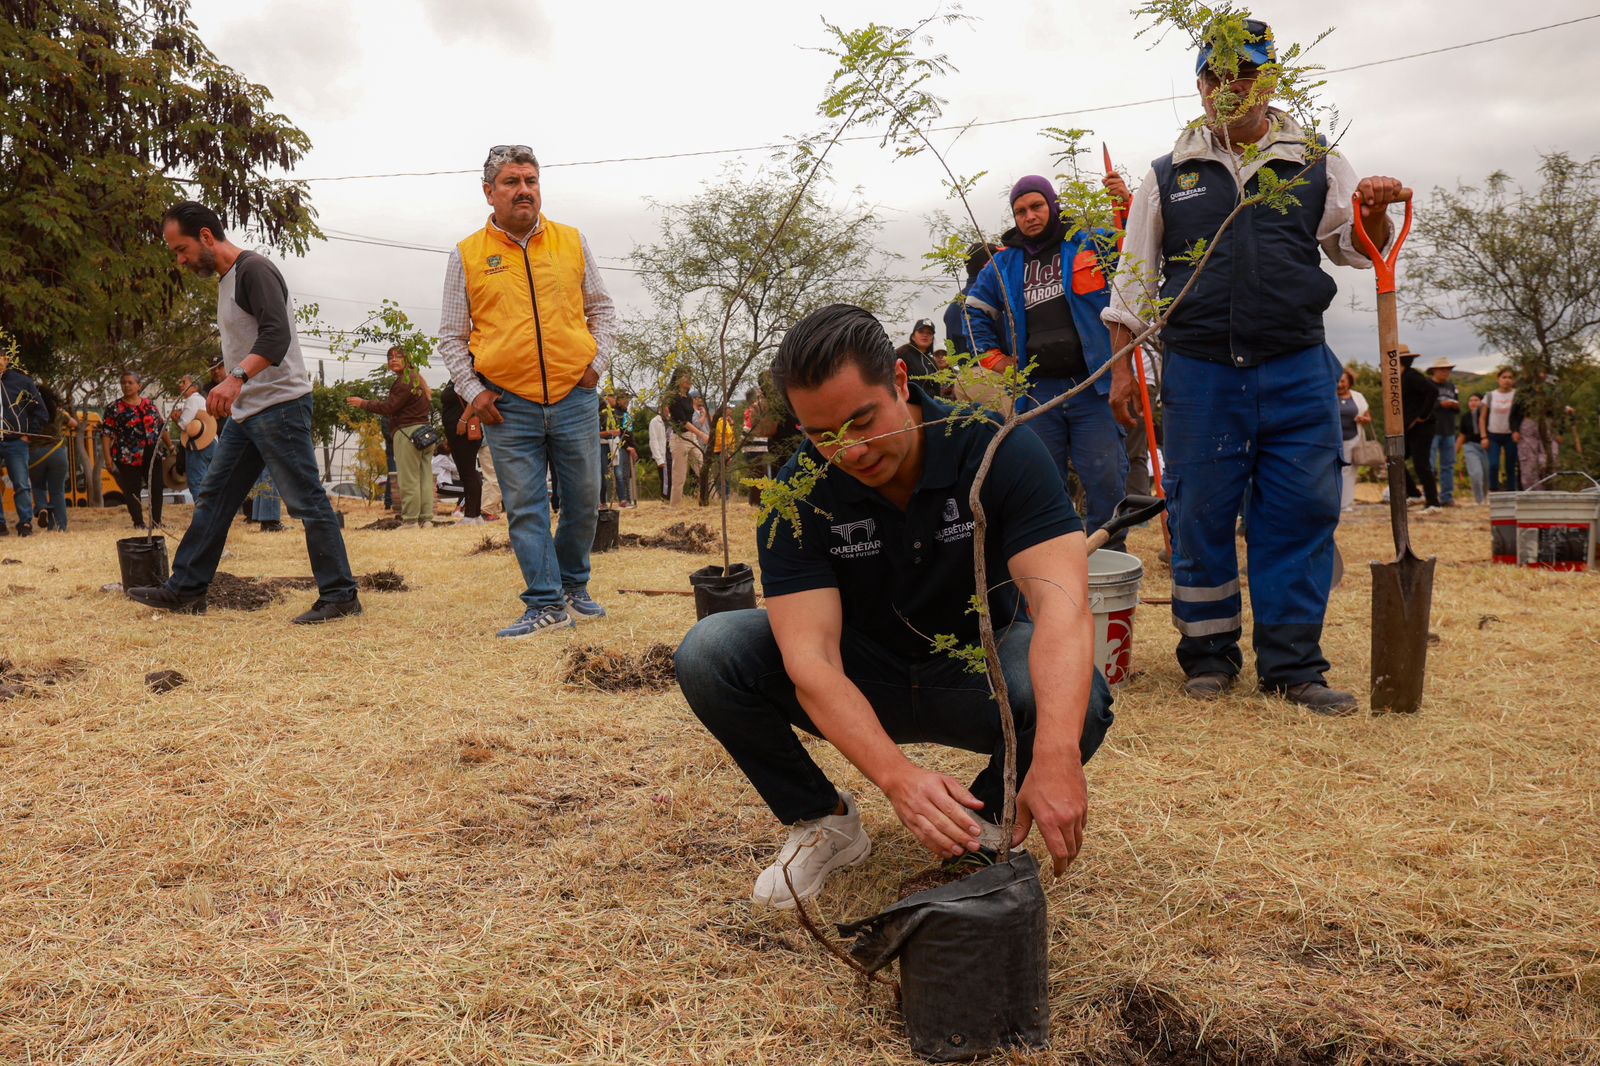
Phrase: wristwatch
(240, 373)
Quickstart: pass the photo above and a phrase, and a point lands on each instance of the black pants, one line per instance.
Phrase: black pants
(464, 452)
(731, 672)
(1419, 445)
(133, 480)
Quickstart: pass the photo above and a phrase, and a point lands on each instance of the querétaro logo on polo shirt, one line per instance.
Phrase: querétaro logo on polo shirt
(858, 539)
(956, 529)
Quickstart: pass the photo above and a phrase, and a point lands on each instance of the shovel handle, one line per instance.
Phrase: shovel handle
(1383, 267)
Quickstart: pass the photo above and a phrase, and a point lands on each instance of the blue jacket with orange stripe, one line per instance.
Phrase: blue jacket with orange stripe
(999, 319)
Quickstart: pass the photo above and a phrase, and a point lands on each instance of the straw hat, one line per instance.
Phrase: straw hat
(1441, 363)
(1404, 352)
(201, 431)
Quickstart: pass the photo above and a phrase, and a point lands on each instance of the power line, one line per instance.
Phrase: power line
(948, 128)
(384, 242)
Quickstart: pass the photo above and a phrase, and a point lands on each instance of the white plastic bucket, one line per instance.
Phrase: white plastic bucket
(1113, 597)
(1556, 530)
(1503, 527)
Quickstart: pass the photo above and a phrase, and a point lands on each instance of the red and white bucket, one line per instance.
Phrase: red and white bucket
(1503, 527)
(1556, 530)
(1113, 596)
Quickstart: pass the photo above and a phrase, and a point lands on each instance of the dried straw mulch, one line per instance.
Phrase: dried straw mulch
(394, 839)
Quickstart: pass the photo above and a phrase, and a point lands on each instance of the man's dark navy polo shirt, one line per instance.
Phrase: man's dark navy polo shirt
(905, 577)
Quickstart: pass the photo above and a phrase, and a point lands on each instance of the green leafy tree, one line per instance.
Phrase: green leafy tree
(1522, 266)
(736, 266)
(115, 109)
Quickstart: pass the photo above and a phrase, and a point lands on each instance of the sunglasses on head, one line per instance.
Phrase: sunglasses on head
(497, 149)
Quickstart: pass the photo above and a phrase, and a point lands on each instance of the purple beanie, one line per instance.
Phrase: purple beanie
(1034, 183)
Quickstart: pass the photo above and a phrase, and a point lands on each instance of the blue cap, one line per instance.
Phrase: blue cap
(1260, 51)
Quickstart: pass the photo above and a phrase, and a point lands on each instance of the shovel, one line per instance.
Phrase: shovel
(1130, 512)
(1402, 591)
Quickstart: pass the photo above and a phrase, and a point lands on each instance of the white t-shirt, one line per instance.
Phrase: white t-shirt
(192, 405)
(1500, 410)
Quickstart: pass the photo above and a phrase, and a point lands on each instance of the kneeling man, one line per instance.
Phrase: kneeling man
(880, 565)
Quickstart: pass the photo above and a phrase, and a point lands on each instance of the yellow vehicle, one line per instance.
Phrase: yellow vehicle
(78, 476)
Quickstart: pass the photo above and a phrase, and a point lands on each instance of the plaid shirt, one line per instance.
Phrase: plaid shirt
(455, 320)
(132, 429)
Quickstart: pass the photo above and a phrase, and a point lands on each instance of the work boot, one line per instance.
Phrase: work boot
(1208, 686)
(813, 851)
(272, 527)
(328, 610)
(24, 529)
(164, 599)
(1318, 698)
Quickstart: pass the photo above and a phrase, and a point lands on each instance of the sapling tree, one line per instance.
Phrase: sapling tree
(879, 79)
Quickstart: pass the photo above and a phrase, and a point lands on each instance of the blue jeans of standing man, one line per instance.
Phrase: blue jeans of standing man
(534, 441)
(198, 462)
(1444, 466)
(48, 472)
(1477, 469)
(14, 457)
(1083, 433)
(277, 440)
(731, 672)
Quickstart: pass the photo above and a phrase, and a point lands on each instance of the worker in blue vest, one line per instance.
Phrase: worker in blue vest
(1249, 388)
(1037, 303)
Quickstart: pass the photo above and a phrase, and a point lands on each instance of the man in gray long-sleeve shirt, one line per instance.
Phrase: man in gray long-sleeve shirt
(267, 399)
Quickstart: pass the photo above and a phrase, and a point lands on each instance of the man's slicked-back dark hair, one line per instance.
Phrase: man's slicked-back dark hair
(819, 344)
(192, 218)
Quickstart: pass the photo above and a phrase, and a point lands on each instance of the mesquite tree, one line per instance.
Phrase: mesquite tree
(1522, 266)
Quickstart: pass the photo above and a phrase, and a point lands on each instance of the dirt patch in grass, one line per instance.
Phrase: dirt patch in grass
(159, 681)
(692, 537)
(17, 680)
(1162, 1032)
(614, 671)
(233, 593)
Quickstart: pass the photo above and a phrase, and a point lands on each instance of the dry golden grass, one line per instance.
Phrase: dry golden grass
(394, 839)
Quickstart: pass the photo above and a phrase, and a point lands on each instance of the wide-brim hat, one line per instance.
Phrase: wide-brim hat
(1404, 351)
(1441, 363)
(201, 432)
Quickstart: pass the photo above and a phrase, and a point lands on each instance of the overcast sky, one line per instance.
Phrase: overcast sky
(415, 85)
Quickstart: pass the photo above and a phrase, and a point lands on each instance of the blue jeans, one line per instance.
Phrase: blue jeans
(559, 440)
(1477, 469)
(49, 472)
(1503, 444)
(1083, 433)
(1444, 465)
(731, 673)
(1267, 436)
(277, 440)
(198, 462)
(267, 506)
(14, 457)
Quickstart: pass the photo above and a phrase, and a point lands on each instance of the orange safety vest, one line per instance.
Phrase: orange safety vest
(529, 332)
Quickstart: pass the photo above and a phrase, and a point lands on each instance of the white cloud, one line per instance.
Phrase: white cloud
(512, 24)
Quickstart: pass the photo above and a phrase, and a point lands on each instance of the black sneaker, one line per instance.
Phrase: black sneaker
(272, 527)
(164, 599)
(328, 610)
(24, 529)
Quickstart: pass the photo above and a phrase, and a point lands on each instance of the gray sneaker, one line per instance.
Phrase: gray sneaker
(1318, 698)
(538, 620)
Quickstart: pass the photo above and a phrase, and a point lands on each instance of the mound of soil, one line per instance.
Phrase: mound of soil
(615, 671)
(490, 544)
(694, 538)
(160, 681)
(26, 681)
(233, 593)
(384, 523)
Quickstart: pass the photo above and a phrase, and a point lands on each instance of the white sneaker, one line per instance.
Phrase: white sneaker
(478, 521)
(813, 851)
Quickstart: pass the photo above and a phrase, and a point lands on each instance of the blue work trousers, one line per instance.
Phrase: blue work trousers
(277, 440)
(1084, 434)
(1267, 436)
(559, 441)
(48, 472)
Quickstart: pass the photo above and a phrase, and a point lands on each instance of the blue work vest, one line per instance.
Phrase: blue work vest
(1263, 292)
